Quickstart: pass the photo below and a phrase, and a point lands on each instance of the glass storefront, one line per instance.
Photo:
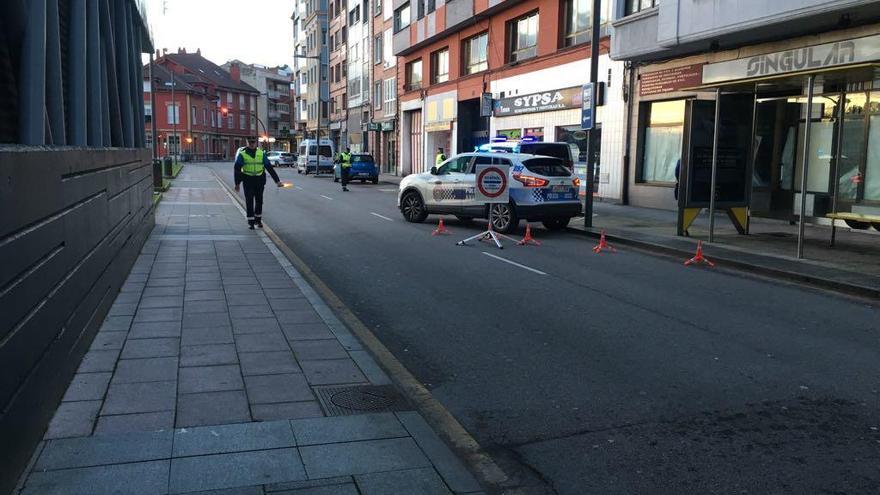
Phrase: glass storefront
(662, 138)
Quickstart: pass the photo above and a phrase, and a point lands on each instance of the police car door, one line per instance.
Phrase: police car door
(446, 189)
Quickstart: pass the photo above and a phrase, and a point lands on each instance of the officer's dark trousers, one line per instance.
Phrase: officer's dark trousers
(345, 172)
(253, 196)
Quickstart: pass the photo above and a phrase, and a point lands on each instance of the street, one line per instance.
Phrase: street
(613, 373)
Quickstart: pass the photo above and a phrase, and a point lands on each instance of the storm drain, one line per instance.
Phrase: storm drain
(360, 399)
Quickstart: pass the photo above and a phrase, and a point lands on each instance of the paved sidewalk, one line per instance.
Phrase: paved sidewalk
(219, 368)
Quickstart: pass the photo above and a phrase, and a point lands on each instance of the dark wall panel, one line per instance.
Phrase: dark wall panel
(72, 222)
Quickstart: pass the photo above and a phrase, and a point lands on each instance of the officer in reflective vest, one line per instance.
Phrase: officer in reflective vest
(251, 165)
(344, 160)
(440, 157)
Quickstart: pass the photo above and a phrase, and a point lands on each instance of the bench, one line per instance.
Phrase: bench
(858, 221)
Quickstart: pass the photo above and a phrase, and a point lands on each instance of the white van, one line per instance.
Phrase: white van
(311, 158)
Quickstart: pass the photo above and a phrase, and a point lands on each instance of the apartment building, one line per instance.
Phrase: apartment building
(299, 113)
(359, 73)
(338, 47)
(764, 60)
(382, 128)
(531, 56)
(273, 103)
(210, 112)
(317, 94)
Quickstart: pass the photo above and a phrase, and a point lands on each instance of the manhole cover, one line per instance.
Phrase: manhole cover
(342, 401)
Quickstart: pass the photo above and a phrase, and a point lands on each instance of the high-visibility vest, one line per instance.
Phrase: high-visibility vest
(345, 160)
(253, 166)
(440, 158)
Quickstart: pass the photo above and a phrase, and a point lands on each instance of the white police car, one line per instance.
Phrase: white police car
(542, 189)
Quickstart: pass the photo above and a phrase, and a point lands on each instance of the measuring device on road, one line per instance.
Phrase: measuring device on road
(492, 188)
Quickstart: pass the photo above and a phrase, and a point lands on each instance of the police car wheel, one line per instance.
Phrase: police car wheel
(504, 218)
(556, 223)
(413, 208)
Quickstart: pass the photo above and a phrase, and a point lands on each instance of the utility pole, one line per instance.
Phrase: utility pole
(175, 113)
(594, 79)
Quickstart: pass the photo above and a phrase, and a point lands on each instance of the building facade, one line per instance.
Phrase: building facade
(359, 73)
(382, 128)
(764, 59)
(212, 117)
(338, 48)
(532, 57)
(317, 94)
(299, 113)
(273, 102)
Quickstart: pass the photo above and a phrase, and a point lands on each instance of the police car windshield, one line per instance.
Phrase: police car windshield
(548, 167)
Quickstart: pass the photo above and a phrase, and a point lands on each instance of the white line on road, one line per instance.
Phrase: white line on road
(383, 217)
(387, 190)
(327, 197)
(298, 188)
(524, 267)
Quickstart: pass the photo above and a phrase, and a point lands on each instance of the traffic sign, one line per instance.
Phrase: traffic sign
(492, 184)
(588, 110)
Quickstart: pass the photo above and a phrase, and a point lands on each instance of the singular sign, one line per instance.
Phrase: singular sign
(804, 59)
(557, 99)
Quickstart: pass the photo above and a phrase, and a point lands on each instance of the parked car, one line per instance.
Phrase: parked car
(363, 168)
(281, 159)
(313, 158)
(566, 152)
(542, 189)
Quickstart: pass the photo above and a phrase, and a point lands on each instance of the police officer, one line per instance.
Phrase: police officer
(344, 160)
(251, 165)
(440, 157)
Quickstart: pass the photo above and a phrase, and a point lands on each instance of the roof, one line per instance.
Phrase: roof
(204, 68)
(162, 79)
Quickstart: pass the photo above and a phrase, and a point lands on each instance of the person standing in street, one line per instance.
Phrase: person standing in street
(345, 167)
(251, 164)
(440, 158)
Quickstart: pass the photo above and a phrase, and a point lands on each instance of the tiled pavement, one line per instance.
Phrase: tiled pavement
(203, 378)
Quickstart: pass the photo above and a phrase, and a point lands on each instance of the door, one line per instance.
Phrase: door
(446, 190)
(417, 153)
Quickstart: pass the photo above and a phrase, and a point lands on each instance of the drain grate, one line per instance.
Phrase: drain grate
(360, 399)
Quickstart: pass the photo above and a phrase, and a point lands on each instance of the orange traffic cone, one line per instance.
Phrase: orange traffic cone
(528, 239)
(441, 229)
(698, 257)
(603, 244)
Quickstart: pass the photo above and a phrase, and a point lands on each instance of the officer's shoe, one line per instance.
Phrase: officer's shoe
(345, 189)
(250, 224)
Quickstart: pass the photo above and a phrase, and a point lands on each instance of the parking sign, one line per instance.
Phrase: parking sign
(588, 112)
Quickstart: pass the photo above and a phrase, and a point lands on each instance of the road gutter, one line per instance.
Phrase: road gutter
(441, 420)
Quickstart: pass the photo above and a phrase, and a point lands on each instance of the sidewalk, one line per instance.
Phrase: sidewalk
(852, 266)
(220, 368)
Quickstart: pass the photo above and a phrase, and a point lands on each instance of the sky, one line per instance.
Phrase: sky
(253, 31)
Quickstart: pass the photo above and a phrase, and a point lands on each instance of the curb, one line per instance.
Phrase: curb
(460, 441)
(765, 271)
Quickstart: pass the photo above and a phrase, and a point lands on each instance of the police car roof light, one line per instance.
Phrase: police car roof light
(499, 139)
(528, 139)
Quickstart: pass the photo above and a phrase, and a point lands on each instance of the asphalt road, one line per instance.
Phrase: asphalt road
(624, 373)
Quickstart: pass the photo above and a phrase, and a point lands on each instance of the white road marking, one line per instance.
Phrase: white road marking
(298, 188)
(383, 217)
(387, 190)
(524, 267)
(327, 197)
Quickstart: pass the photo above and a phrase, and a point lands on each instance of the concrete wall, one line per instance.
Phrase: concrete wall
(73, 223)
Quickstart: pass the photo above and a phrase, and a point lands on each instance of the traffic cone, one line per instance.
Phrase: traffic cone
(528, 239)
(698, 257)
(603, 244)
(441, 229)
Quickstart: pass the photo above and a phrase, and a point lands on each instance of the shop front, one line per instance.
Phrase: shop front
(794, 116)
(440, 125)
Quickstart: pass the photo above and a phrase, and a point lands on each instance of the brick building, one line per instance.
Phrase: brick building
(211, 112)
(338, 47)
(382, 129)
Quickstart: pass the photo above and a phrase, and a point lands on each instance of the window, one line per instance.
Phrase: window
(414, 75)
(354, 16)
(662, 125)
(205, 117)
(229, 99)
(240, 101)
(231, 121)
(522, 37)
(378, 50)
(173, 112)
(420, 9)
(577, 21)
(401, 17)
(432, 5)
(458, 165)
(377, 7)
(193, 116)
(377, 94)
(148, 113)
(440, 66)
(474, 52)
(390, 105)
(242, 121)
(633, 6)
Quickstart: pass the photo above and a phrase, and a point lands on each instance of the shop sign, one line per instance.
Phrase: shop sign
(669, 80)
(374, 126)
(438, 126)
(388, 126)
(809, 58)
(547, 101)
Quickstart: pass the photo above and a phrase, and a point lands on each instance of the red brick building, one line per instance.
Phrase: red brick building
(449, 53)
(211, 113)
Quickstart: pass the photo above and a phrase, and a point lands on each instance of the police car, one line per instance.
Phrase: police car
(542, 189)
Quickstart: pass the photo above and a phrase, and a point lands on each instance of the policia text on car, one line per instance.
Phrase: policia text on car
(251, 165)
